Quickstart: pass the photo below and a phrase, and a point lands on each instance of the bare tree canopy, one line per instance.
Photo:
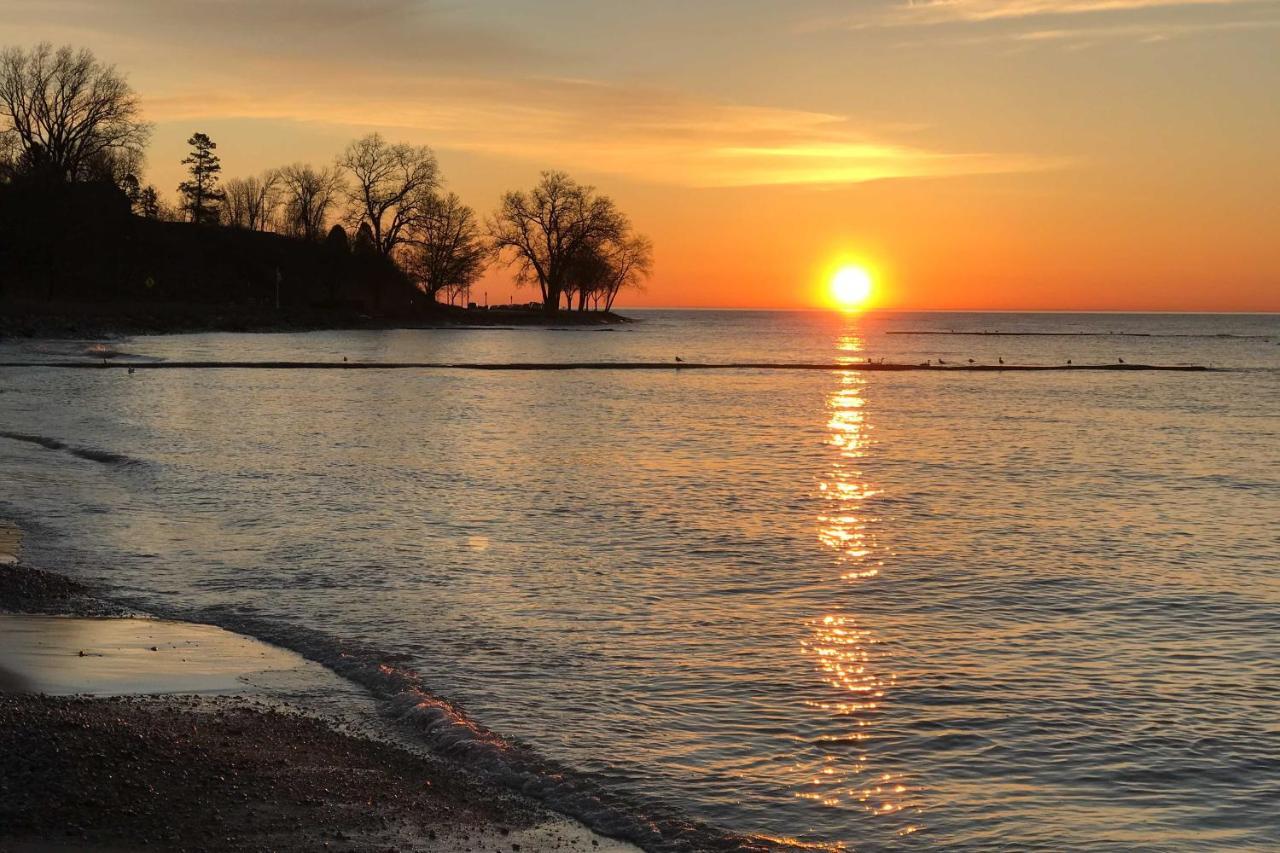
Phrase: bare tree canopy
(307, 195)
(391, 186)
(10, 154)
(251, 202)
(601, 270)
(630, 263)
(67, 111)
(543, 231)
(447, 253)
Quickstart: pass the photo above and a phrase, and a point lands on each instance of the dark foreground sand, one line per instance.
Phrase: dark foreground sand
(232, 768)
(222, 774)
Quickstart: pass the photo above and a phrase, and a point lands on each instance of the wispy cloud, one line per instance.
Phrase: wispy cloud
(1031, 21)
(643, 134)
(460, 76)
(1083, 37)
(942, 11)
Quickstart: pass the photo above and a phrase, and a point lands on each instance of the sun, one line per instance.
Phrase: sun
(851, 287)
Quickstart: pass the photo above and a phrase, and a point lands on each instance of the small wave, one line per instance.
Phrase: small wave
(448, 731)
(47, 443)
(106, 457)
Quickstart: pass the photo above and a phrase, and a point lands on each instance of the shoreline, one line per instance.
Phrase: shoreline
(869, 367)
(119, 730)
(21, 321)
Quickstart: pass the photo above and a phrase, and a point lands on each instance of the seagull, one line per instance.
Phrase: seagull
(679, 360)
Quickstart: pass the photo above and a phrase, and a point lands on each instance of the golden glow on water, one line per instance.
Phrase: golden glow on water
(845, 651)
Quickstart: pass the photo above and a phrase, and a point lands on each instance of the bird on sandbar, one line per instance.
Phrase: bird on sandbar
(1121, 360)
(971, 361)
(130, 371)
(940, 361)
(679, 360)
(1000, 359)
(1068, 361)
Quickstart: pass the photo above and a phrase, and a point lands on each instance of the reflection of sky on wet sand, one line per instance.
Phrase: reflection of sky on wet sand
(845, 650)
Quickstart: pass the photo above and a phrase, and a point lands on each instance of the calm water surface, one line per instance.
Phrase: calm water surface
(885, 611)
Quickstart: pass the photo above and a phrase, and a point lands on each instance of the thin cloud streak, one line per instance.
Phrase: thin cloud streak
(945, 11)
(1076, 38)
(941, 13)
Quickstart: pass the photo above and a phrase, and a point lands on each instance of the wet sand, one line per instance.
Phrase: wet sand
(104, 656)
(131, 733)
(223, 774)
(10, 543)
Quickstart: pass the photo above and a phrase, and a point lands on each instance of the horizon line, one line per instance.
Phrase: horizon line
(758, 309)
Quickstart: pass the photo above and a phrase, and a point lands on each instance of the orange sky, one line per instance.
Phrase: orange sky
(975, 154)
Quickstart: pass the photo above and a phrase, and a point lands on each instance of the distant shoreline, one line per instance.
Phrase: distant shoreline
(108, 321)
(596, 365)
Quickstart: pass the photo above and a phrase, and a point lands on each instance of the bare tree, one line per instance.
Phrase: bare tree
(251, 202)
(10, 155)
(446, 252)
(391, 186)
(600, 270)
(67, 110)
(630, 263)
(308, 194)
(543, 231)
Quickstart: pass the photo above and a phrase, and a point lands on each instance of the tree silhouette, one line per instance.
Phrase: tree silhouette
(308, 196)
(148, 204)
(67, 111)
(630, 262)
(446, 252)
(544, 231)
(391, 185)
(251, 202)
(201, 194)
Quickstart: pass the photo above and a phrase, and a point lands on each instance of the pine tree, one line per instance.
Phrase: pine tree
(201, 193)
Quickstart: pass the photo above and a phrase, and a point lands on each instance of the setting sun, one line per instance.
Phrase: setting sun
(851, 287)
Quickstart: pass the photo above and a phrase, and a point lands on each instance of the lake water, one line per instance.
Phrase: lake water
(966, 611)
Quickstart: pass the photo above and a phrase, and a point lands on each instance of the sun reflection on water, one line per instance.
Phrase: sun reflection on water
(847, 652)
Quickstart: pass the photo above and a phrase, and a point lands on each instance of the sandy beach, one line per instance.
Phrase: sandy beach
(119, 733)
(10, 539)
